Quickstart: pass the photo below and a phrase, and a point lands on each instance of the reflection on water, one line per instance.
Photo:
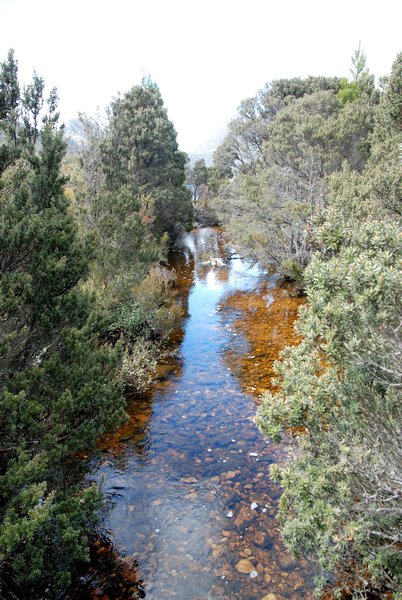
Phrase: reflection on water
(187, 477)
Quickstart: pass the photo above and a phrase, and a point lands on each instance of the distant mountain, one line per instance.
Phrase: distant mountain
(75, 135)
(206, 149)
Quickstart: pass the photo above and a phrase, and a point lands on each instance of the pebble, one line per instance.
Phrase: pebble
(245, 566)
(285, 560)
(229, 474)
(259, 538)
(244, 517)
(230, 514)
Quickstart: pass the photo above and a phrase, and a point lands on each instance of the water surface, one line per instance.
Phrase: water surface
(191, 501)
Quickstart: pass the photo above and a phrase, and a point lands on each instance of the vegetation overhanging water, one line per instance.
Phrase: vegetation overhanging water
(191, 502)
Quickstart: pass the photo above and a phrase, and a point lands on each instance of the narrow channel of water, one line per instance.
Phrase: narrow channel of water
(188, 477)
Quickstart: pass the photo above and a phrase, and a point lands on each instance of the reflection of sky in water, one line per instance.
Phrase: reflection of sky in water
(185, 468)
(211, 281)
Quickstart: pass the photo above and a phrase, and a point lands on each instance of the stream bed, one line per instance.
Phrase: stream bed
(191, 503)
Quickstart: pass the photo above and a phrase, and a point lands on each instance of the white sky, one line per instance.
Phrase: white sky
(205, 55)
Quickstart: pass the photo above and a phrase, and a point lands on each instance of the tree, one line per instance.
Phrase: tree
(141, 152)
(9, 105)
(197, 177)
(57, 388)
(359, 69)
(242, 147)
(362, 82)
(118, 220)
(268, 207)
(340, 389)
(116, 208)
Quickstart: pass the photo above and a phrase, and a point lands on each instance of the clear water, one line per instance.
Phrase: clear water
(188, 481)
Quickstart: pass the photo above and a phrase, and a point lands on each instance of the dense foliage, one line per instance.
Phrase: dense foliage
(340, 389)
(130, 198)
(308, 180)
(57, 389)
(277, 157)
(85, 306)
(140, 152)
(203, 182)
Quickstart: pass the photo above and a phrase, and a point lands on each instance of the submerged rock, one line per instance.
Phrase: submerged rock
(245, 566)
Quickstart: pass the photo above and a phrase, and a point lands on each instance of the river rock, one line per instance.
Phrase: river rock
(259, 538)
(229, 474)
(127, 570)
(244, 566)
(285, 560)
(244, 516)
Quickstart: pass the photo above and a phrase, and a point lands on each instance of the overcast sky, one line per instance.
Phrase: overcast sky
(206, 55)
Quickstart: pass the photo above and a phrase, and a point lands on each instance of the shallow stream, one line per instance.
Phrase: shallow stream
(191, 501)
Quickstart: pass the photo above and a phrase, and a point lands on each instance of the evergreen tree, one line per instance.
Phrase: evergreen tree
(339, 396)
(362, 83)
(9, 108)
(128, 167)
(141, 152)
(118, 220)
(56, 395)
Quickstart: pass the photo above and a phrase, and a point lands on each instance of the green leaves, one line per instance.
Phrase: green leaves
(140, 152)
(339, 398)
(58, 389)
(281, 161)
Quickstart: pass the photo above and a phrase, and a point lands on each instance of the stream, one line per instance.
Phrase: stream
(191, 504)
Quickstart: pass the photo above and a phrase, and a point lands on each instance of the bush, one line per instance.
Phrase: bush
(145, 325)
(340, 398)
(139, 364)
(340, 390)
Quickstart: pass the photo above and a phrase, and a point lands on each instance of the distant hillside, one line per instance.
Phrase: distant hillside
(206, 149)
(75, 135)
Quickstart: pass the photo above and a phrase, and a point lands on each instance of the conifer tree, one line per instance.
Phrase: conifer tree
(141, 152)
(56, 394)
